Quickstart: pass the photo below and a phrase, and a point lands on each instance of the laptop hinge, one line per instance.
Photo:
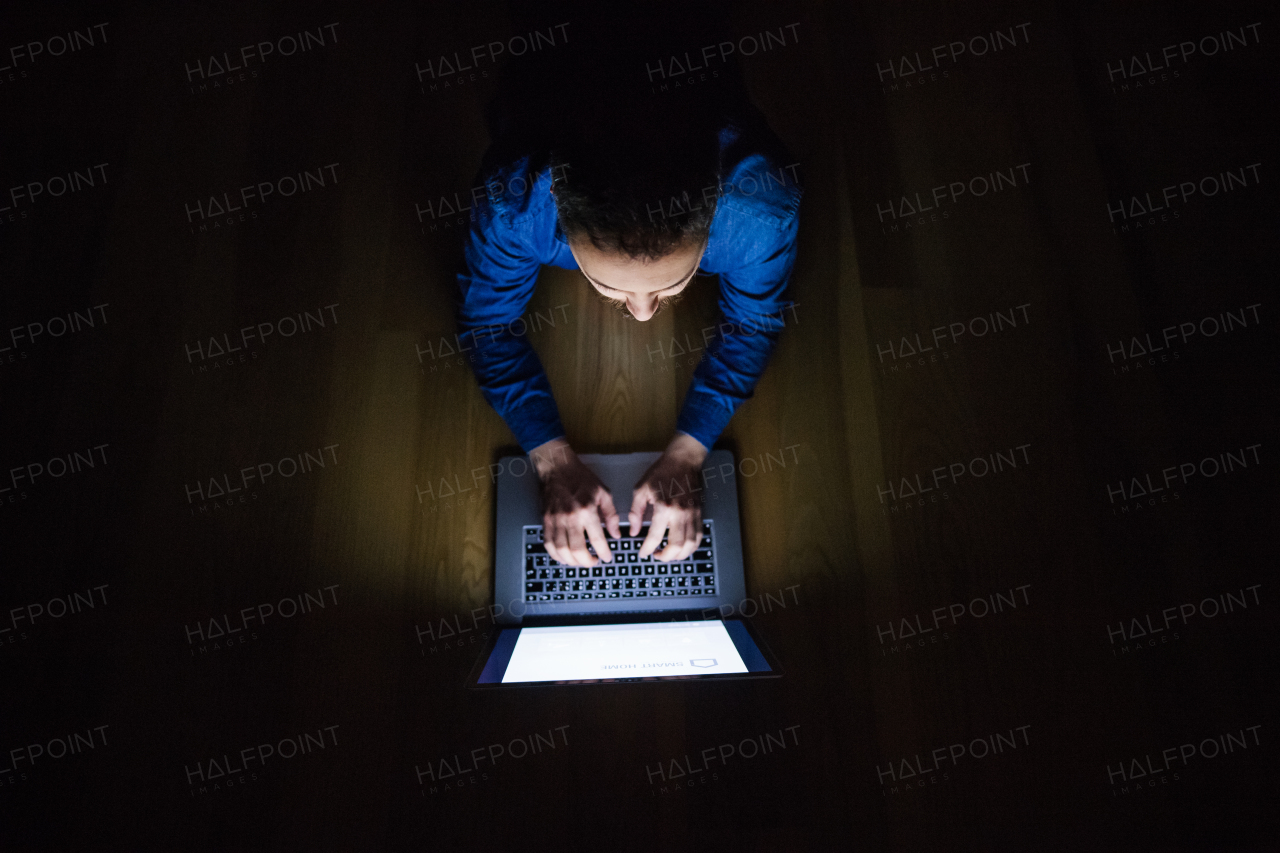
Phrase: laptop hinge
(626, 617)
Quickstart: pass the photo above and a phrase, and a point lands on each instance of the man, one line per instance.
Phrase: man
(638, 197)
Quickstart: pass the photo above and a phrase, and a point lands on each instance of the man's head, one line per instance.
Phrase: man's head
(639, 287)
(635, 193)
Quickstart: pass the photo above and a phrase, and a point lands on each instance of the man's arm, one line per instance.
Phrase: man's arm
(754, 305)
(493, 292)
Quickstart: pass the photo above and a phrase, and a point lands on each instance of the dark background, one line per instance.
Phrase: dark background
(831, 562)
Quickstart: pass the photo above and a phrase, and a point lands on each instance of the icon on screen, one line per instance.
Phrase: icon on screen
(703, 662)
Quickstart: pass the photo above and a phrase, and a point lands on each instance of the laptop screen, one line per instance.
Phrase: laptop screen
(636, 650)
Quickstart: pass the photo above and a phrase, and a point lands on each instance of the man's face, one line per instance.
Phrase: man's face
(638, 287)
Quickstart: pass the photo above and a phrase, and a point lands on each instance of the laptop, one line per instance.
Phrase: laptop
(637, 619)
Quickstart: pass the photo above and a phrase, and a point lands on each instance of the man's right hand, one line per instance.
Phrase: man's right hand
(576, 506)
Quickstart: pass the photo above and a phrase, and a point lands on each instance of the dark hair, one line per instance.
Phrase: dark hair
(637, 179)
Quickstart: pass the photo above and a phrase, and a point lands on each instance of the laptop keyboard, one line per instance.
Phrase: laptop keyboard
(628, 576)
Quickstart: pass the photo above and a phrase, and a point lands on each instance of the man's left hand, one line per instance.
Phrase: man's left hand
(672, 486)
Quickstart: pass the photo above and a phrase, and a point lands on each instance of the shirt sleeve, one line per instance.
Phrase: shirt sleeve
(500, 275)
(755, 307)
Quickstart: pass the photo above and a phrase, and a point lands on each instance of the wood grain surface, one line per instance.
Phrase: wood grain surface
(928, 470)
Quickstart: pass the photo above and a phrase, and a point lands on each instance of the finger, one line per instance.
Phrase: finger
(547, 533)
(578, 553)
(694, 539)
(560, 539)
(643, 497)
(605, 502)
(596, 534)
(676, 537)
(657, 526)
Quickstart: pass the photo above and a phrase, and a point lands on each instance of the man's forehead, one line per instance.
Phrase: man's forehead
(603, 276)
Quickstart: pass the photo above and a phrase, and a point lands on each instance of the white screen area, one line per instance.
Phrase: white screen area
(646, 649)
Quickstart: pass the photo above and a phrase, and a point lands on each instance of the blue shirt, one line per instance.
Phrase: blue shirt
(752, 247)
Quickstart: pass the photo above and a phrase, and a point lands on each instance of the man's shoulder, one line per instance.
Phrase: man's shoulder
(760, 177)
(763, 188)
(519, 188)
